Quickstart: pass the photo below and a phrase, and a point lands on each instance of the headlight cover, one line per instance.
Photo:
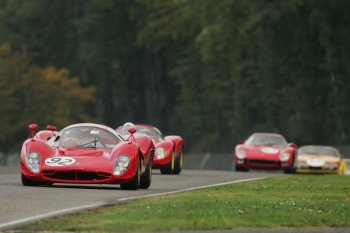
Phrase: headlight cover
(284, 156)
(160, 153)
(240, 154)
(330, 166)
(121, 165)
(33, 162)
(301, 164)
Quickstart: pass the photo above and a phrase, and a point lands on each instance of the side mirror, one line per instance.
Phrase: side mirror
(241, 142)
(33, 128)
(132, 130)
(292, 145)
(51, 128)
(131, 137)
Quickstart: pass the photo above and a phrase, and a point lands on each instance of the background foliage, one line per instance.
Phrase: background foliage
(211, 71)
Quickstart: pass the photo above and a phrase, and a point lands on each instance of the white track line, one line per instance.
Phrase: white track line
(205, 160)
(189, 189)
(25, 221)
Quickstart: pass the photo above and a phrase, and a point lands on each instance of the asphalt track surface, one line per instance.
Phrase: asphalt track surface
(21, 205)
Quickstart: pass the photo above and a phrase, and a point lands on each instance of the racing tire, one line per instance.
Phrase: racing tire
(342, 168)
(178, 164)
(169, 168)
(146, 177)
(28, 182)
(134, 183)
(241, 169)
(289, 171)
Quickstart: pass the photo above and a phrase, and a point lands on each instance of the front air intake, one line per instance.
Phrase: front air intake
(77, 175)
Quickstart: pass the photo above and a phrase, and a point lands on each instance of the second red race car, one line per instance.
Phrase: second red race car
(265, 151)
(86, 154)
(168, 155)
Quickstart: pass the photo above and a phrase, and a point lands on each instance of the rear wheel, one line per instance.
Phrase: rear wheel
(134, 183)
(169, 168)
(146, 177)
(178, 164)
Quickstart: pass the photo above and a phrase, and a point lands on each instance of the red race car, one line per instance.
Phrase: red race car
(265, 151)
(168, 155)
(86, 154)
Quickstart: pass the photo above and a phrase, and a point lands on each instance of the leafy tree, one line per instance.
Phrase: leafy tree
(31, 94)
(212, 71)
(47, 28)
(110, 60)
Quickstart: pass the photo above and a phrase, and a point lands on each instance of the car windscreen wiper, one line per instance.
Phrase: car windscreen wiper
(94, 141)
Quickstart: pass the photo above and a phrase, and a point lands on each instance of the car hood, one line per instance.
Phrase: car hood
(262, 152)
(87, 159)
(317, 159)
(268, 150)
(86, 152)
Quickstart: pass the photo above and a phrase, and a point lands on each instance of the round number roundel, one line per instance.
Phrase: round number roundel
(59, 161)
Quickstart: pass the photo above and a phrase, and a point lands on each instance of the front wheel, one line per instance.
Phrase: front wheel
(169, 168)
(289, 170)
(134, 183)
(146, 177)
(28, 182)
(342, 168)
(241, 169)
(178, 164)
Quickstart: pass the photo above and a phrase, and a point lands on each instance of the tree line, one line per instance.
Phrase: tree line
(211, 71)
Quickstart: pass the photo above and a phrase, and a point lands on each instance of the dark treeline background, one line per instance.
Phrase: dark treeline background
(212, 71)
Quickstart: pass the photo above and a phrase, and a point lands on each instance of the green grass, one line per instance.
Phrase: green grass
(289, 201)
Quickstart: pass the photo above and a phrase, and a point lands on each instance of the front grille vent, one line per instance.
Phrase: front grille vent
(263, 162)
(76, 175)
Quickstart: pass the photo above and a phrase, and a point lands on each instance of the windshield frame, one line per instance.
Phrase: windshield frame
(155, 133)
(87, 136)
(254, 141)
(319, 150)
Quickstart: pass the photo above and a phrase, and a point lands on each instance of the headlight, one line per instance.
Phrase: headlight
(33, 162)
(160, 153)
(301, 164)
(241, 154)
(121, 164)
(284, 156)
(330, 166)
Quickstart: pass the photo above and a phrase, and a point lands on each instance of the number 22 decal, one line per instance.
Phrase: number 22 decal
(59, 161)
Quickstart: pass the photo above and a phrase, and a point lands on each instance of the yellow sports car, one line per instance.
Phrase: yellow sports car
(319, 159)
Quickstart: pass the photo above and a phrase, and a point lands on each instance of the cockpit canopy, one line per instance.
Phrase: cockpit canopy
(85, 137)
(266, 140)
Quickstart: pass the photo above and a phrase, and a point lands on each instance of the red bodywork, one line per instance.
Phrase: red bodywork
(85, 165)
(171, 147)
(264, 156)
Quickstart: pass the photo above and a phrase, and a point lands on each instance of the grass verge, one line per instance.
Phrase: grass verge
(288, 201)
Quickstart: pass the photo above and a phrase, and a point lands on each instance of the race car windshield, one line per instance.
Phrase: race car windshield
(85, 137)
(318, 150)
(266, 140)
(142, 130)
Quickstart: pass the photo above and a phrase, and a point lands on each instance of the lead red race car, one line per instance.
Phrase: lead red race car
(168, 155)
(265, 151)
(86, 153)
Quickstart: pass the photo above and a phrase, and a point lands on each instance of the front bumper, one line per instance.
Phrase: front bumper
(317, 170)
(263, 164)
(77, 176)
(157, 163)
